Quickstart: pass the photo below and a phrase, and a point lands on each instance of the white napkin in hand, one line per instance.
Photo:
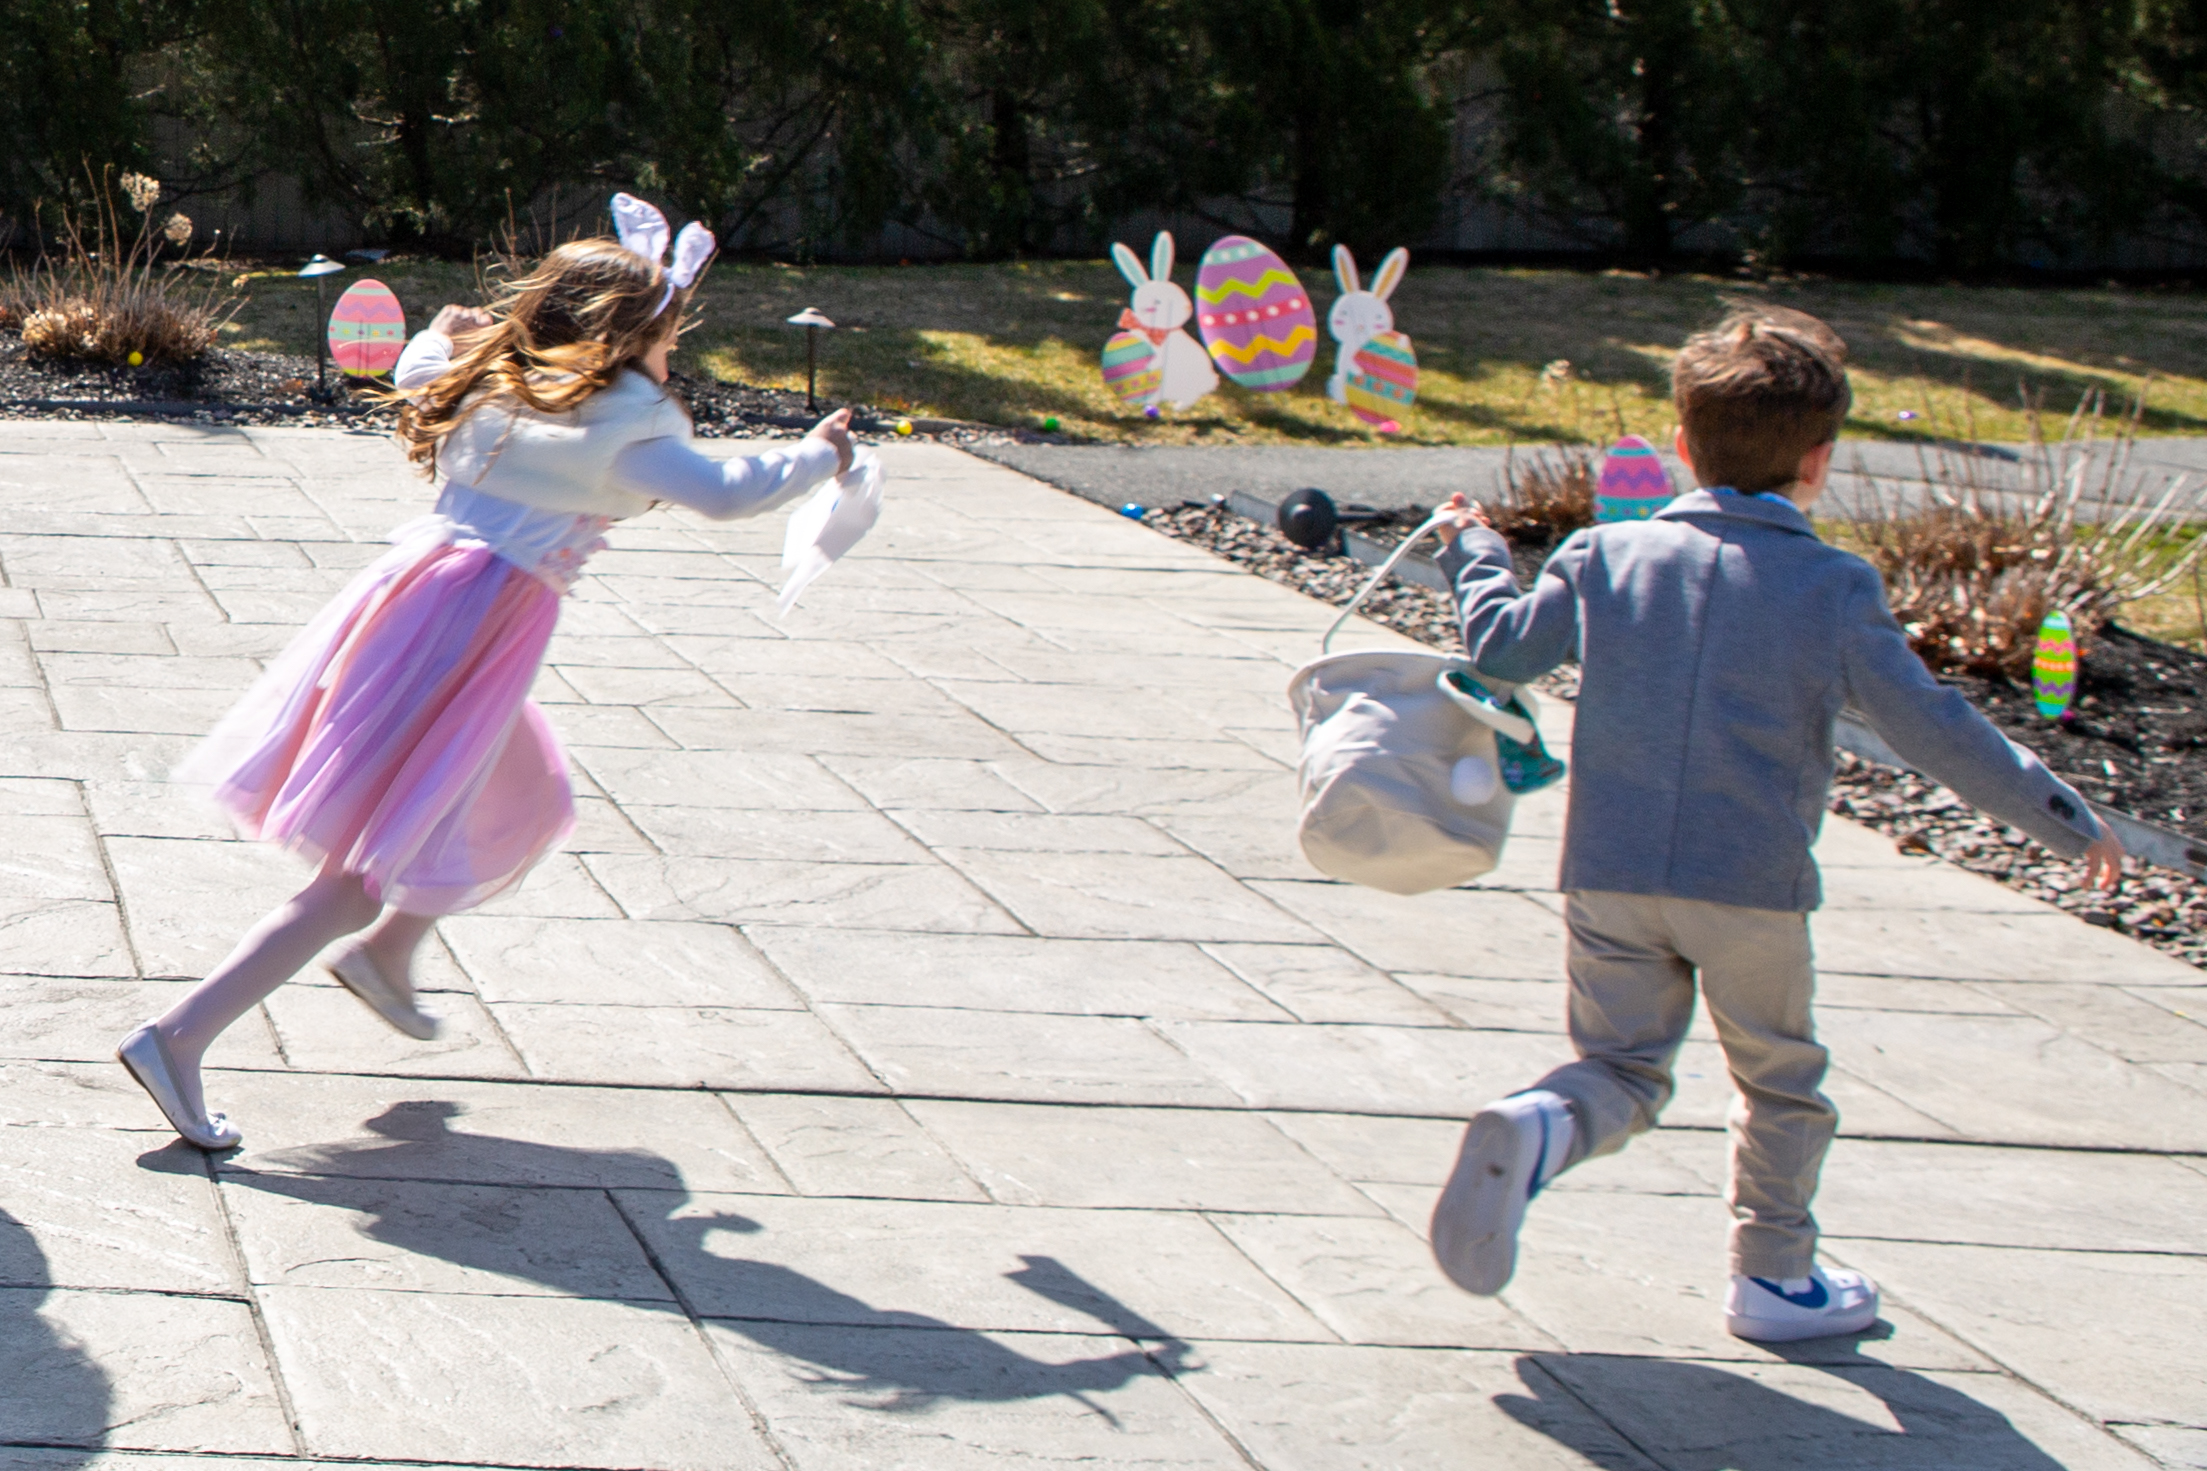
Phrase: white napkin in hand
(828, 525)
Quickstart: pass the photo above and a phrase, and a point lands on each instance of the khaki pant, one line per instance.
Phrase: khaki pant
(1632, 963)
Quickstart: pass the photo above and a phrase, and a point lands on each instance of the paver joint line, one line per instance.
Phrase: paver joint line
(1057, 1110)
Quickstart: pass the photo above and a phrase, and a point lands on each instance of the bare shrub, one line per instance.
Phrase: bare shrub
(1985, 547)
(1549, 495)
(109, 294)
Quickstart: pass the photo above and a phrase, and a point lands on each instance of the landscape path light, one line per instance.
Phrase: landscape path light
(812, 319)
(319, 267)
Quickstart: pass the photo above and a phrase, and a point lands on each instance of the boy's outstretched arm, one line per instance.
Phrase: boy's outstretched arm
(1934, 729)
(1511, 635)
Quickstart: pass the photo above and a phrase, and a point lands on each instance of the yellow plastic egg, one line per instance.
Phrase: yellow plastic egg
(136, 358)
(904, 426)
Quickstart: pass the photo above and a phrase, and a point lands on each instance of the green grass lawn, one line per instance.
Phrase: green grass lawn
(1017, 344)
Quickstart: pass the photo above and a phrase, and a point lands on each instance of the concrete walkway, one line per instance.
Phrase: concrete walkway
(933, 1054)
(1865, 472)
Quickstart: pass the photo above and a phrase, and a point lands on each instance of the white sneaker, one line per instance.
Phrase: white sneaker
(1816, 1306)
(1511, 1148)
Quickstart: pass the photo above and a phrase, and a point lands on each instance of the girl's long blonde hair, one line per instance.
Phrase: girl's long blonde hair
(563, 332)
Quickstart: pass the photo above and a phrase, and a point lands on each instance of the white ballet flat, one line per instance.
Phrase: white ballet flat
(359, 975)
(146, 1058)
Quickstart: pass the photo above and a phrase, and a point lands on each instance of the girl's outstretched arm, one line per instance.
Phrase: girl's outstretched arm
(429, 353)
(669, 469)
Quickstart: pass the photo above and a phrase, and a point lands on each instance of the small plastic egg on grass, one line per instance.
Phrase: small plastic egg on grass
(137, 358)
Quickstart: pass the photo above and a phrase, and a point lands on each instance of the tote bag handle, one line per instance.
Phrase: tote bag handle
(1438, 518)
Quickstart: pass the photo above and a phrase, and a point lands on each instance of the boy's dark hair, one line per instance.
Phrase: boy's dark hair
(1756, 393)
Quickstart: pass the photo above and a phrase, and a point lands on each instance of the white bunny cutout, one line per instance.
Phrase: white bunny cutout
(644, 230)
(1358, 315)
(1160, 311)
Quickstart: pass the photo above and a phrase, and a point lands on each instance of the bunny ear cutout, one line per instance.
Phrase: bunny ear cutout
(1130, 266)
(1344, 268)
(1390, 272)
(692, 249)
(1160, 256)
(641, 228)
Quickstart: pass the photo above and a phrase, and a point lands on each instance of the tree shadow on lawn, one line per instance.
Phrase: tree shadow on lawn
(1477, 324)
(838, 1335)
(1710, 1417)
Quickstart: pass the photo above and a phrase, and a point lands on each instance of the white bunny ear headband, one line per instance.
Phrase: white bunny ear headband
(644, 230)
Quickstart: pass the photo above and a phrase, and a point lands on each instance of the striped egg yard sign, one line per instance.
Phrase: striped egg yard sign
(2054, 666)
(1256, 319)
(367, 330)
(1130, 368)
(1385, 382)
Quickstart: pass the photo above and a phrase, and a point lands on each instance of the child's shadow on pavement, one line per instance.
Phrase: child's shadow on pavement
(1702, 1417)
(417, 1153)
(53, 1392)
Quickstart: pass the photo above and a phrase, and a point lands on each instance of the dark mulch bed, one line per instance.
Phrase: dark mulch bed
(2134, 738)
(235, 387)
(264, 388)
(2139, 721)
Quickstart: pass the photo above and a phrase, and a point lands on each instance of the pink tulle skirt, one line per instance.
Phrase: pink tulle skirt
(396, 736)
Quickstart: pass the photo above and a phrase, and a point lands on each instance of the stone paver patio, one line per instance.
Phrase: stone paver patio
(932, 1053)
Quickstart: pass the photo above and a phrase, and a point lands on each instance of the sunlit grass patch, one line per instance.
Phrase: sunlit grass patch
(1504, 355)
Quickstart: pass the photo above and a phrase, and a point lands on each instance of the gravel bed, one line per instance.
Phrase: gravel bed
(266, 388)
(2165, 909)
(2136, 738)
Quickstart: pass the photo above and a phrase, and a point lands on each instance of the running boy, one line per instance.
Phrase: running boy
(1717, 643)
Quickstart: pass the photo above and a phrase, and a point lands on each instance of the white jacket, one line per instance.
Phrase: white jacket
(625, 447)
(540, 489)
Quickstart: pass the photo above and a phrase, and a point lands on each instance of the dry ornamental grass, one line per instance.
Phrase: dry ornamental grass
(110, 295)
(1973, 573)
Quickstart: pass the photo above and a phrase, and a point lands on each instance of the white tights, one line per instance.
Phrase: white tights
(273, 951)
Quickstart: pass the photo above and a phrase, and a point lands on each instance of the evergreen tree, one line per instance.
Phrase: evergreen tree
(71, 104)
(1338, 106)
(1626, 114)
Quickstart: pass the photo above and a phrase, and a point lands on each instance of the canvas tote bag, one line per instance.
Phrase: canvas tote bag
(1400, 780)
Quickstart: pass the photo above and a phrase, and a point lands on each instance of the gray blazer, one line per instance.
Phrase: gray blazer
(1718, 642)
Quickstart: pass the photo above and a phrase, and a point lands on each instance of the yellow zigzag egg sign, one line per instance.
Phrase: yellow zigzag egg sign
(1247, 353)
(1255, 315)
(1257, 287)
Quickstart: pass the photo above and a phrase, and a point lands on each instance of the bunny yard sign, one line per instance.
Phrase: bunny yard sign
(1375, 371)
(1260, 329)
(1152, 360)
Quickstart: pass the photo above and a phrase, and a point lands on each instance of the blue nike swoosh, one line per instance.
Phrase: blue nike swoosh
(1812, 1299)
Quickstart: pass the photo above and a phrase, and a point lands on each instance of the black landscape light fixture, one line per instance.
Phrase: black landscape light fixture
(1309, 517)
(812, 319)
(319, 267)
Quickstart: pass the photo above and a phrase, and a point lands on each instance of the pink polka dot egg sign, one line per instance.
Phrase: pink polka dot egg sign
(367, 330)
(2054, 667)
(1130, 369)
(1255, 317)
(1384, 382)
(1634, 484)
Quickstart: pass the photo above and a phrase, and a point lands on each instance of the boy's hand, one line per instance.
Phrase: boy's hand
(1467, 513)
(457, 321)
(2103, 861)
(836, 430)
